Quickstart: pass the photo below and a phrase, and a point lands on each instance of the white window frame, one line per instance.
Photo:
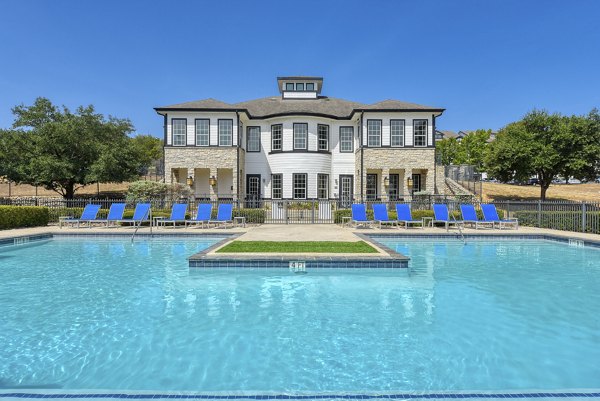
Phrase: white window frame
(251, 131)
(320, 141)
(422, 136)
(178, 134)
(199, 136)
(276, 178)
(374, 137)
(295, 182)
(398, 134)
(222, 134)
(322, 186)
(350, 130)
(305, 133)
(279, 140)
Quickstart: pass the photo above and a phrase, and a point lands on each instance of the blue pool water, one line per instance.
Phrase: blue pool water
(106, 314)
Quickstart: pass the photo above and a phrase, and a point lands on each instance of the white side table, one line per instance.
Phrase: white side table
(427, 221)
(346, 220)
(156, 220)
(240, 220)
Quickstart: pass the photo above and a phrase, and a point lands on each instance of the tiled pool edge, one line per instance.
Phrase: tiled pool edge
(206, 259)
(527, 395)
(496, 236)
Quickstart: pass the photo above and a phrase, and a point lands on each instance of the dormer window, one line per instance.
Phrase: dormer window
(300, 87)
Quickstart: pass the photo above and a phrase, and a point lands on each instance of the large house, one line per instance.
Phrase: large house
(301, 145)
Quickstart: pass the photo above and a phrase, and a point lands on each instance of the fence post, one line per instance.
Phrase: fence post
(583, 216)
(539, 216)
(313, 212)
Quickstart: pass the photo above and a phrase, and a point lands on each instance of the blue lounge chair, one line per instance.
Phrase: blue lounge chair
(141, 213)
(469, 216)
(490, 214)
(441, 215)
(89, 214)
(359, 215)
(115, 213)
(178, 211)
(224, 215)
(380, 215)
(203, 215)
(405, 216)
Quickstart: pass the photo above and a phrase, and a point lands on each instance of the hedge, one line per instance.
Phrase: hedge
(23, 216)
(566, 221)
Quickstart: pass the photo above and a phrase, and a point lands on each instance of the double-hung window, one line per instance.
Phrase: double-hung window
(300, 136)
(374, 133)
(225, 132)
(179, 128)
(202, 131)
(276, 137)
(253, 139)
(299, 187)
(322, 186)
(346, 139)
(276, 186)
(323, 132)
(420, 132)
(397, 133)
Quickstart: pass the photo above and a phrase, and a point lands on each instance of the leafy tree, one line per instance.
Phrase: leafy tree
(545, 145)
(472, 148)
(447, 150)
(150, 149)
(63, 150)
(584, 162)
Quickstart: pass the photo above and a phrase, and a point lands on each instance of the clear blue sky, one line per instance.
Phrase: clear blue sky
(486, 62)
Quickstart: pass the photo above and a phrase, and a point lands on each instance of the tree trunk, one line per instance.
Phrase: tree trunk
(543, 189)
(69, 190)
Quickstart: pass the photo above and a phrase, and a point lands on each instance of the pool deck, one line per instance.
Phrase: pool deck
(299, 232)
(384, 258)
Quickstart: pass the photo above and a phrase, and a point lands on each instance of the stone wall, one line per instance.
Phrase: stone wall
(212, 158)
(404, 162)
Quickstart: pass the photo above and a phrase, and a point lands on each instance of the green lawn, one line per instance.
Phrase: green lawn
(297, 247)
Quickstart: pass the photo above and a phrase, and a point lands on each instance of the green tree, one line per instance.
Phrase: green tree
(584, 160)
(472, 148)
(63, 150)
(545, 145)
(150, 149)
(447, 150)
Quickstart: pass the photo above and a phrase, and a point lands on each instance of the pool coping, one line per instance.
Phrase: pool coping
(273, 395)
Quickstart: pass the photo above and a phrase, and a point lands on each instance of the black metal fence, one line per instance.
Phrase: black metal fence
(558, 215)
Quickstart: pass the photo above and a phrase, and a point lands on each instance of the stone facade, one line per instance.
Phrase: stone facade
(405, 162)
(191, 158)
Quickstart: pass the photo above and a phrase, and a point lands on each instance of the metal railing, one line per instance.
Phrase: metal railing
(558, 215)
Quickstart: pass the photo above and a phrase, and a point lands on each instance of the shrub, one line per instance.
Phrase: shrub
(148, 190)
(252, 215)
(23, 216)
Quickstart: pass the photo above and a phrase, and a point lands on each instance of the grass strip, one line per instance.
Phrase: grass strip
(297, 247)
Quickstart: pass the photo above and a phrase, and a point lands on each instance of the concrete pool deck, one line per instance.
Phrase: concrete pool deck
(384, 258)
(298, 232)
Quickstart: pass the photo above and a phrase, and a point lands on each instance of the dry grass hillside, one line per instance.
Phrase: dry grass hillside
(572, 192)
(92, 190)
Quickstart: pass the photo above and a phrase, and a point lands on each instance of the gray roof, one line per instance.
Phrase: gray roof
(447, 133)
(277, 106)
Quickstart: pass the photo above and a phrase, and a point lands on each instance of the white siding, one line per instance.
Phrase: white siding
(191, 125)
(408, 128)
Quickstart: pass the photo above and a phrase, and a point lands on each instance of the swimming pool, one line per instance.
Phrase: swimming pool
(98, 313)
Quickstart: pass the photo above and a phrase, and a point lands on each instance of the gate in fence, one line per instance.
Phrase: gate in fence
(299, 212)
